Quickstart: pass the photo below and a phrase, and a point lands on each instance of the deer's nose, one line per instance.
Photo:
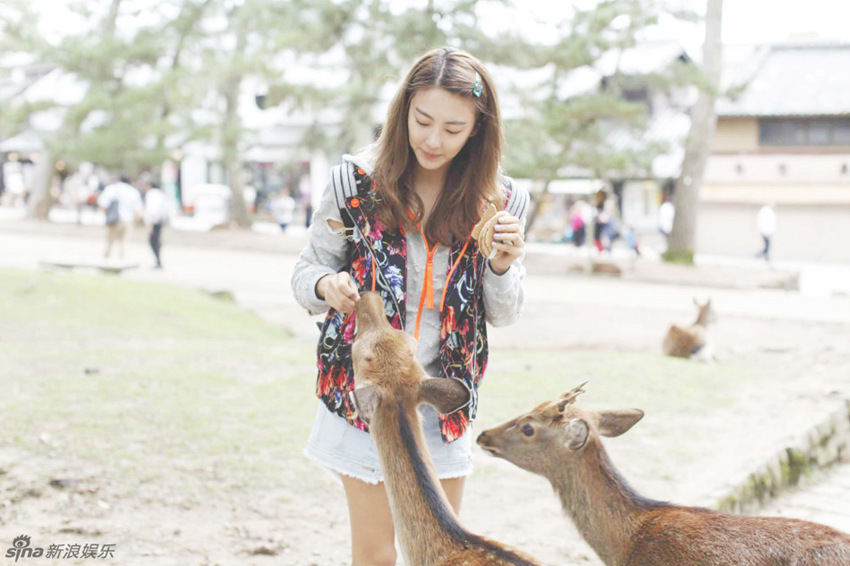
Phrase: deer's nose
(482, 438)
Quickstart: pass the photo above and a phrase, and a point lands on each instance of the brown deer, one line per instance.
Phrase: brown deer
(390, 385)
(562, 443)
(691, 342)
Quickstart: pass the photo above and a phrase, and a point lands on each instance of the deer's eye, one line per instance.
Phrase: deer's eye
(528, 430)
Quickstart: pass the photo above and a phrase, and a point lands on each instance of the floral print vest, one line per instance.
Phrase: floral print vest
(463, 334)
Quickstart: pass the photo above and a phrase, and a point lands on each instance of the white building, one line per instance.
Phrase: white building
(784, 140)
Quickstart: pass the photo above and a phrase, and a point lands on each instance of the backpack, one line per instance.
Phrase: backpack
(112, 216)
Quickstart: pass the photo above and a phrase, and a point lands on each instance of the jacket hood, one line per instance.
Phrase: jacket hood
(365, 158)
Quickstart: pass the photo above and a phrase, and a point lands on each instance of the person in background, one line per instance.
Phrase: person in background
(632, 240)
(601, 219)
(306, 194)
(283, 209)
(766, 221)
(123, 205)
(156, 216)
(611, 227)
(577, 223)
(666, 214)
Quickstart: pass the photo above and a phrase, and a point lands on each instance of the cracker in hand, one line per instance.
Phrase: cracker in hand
(484, 231)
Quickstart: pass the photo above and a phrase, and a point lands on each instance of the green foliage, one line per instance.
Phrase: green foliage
(117, 118)
(195, 54)
(575, 131)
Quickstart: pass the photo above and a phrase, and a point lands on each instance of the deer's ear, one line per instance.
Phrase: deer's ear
(615, 423)
(446, 395)
(577, 434)
(365, 398)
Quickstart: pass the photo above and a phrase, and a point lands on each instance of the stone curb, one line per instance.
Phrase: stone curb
(822, 446)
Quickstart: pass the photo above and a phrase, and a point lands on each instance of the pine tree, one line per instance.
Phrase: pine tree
(117, 118)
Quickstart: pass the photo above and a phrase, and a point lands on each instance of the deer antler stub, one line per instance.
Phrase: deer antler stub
(569, 397)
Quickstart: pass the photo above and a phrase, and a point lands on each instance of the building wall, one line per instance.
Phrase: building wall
(803, 232)
(779, 168)
(736, 134)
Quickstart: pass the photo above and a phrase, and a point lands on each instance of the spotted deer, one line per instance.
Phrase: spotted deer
(390, 385)
(691, 341)
(562, 442)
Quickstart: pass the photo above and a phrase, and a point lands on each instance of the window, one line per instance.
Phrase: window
(819, 132)
(841, 132)
(804, 131)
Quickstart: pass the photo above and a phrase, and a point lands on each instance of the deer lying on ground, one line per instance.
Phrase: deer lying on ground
(562, 443)
(390, 385)
(691, 341)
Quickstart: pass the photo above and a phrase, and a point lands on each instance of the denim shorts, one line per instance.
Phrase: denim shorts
(342, 449)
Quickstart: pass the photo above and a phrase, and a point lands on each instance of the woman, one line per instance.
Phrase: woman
(397, 218)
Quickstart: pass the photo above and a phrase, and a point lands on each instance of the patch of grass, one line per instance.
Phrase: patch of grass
(517, 381)
(673, 393)
(149, 381)
(118, 309)
(166, 390)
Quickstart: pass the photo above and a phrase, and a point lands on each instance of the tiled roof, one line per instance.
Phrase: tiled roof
(644, 58)
(795, 80)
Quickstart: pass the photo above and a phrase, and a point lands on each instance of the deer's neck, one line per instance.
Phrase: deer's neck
(605, 509)
(425, 522)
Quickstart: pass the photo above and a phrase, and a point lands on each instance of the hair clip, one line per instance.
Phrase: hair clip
(476, 90)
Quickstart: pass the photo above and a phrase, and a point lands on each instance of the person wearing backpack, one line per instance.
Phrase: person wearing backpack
(123, 204)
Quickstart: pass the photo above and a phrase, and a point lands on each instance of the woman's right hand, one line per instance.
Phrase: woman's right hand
(339, 291)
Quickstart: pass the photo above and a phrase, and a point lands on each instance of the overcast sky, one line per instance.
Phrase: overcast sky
(759, 21)
(744, 21)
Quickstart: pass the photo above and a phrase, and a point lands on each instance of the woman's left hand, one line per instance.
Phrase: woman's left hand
(508, 242)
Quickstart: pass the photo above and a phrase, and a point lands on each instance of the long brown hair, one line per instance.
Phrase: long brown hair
(473, 174)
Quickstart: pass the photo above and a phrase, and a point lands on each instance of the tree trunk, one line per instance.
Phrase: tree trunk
(703, 121)
(231, 133)
(40, 200)
(230, 155)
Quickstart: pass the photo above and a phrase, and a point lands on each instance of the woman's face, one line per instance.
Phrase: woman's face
(439, 123)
